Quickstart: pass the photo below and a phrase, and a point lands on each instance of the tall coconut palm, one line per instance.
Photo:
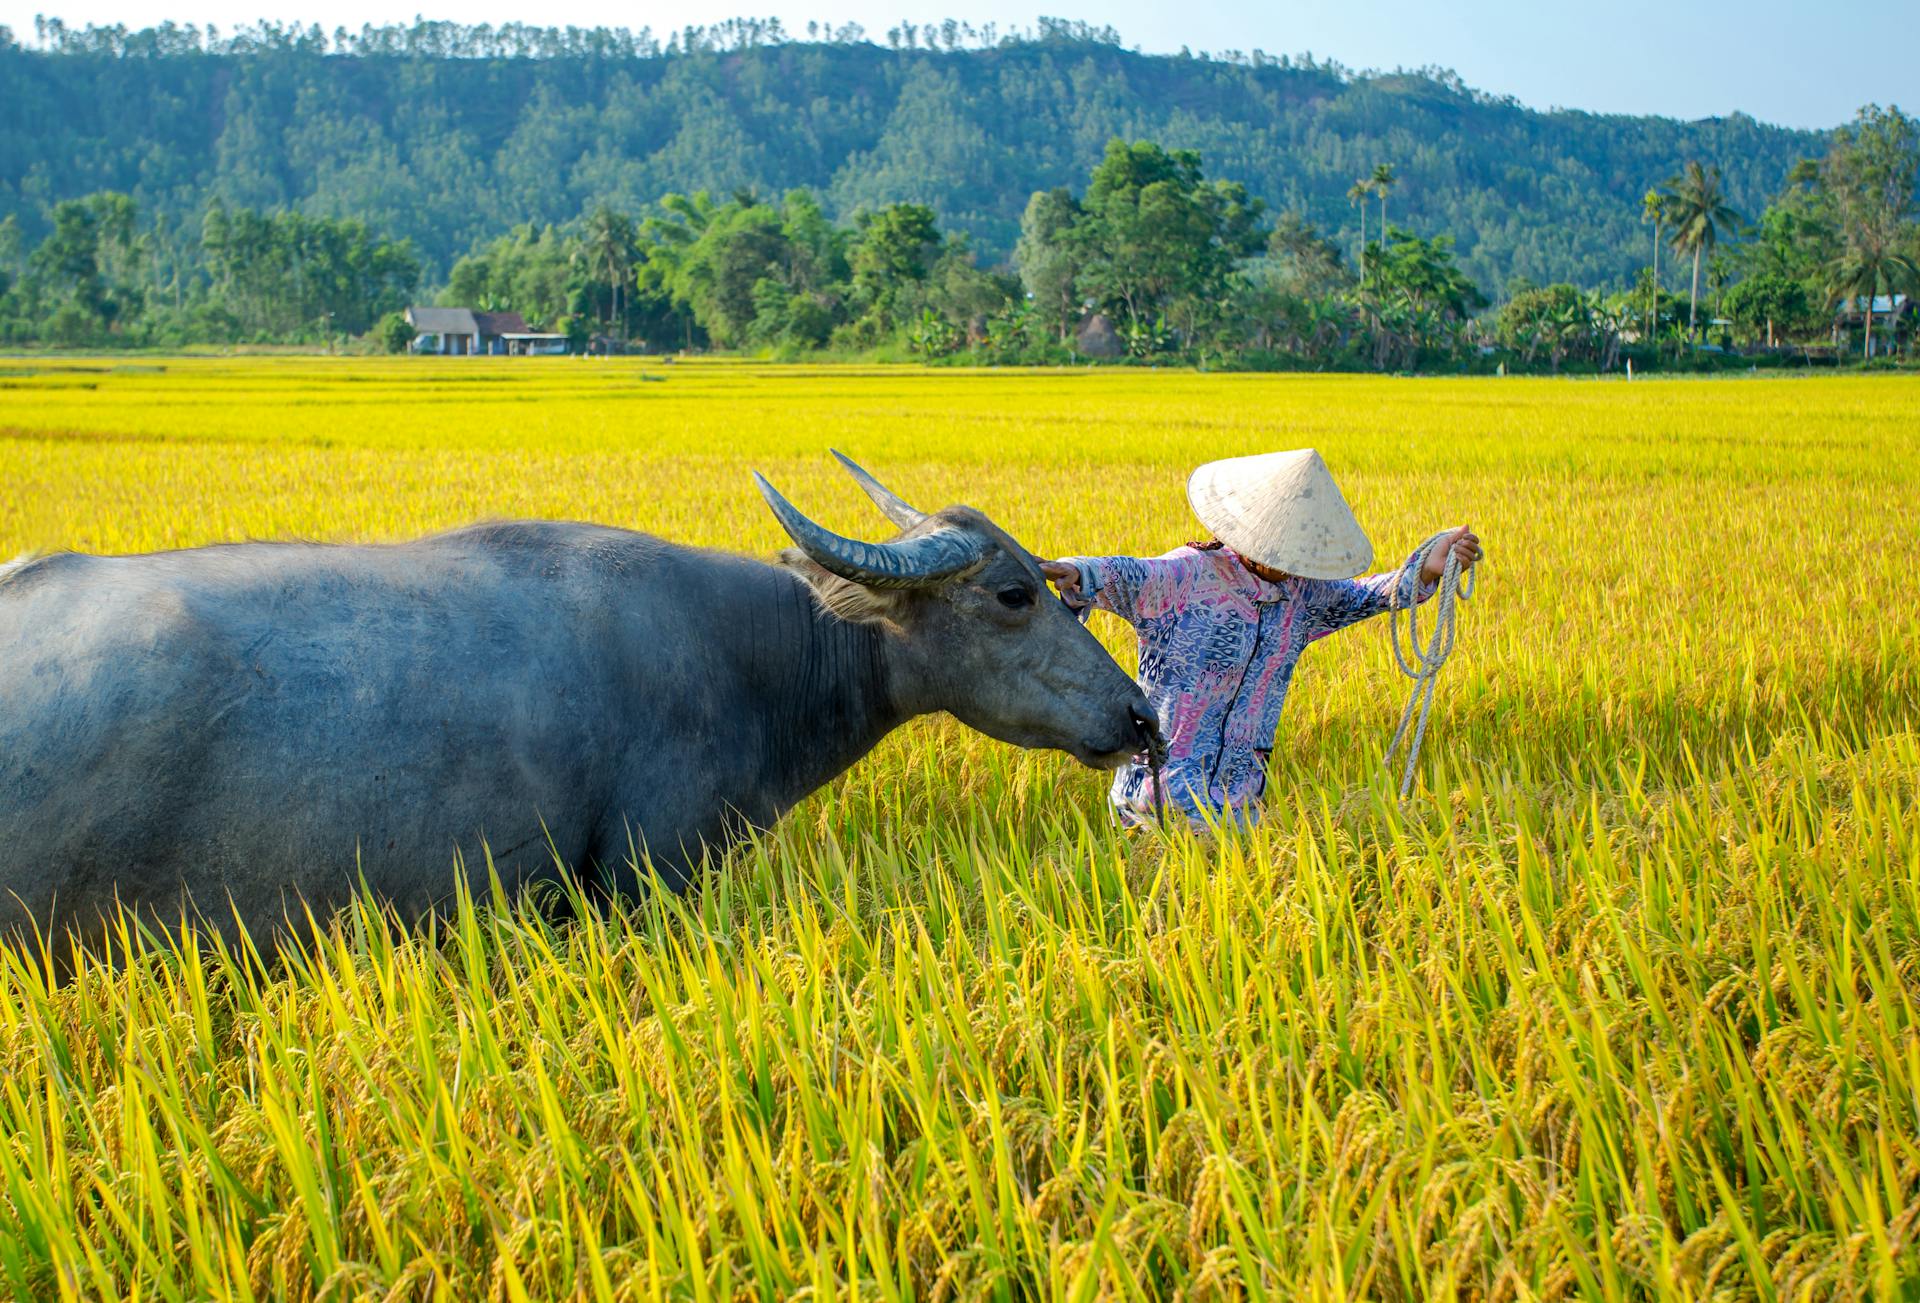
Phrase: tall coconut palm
(1653, 208)
(1382, 181)
(1867, 269)
(1699, 212)
(1357, 198)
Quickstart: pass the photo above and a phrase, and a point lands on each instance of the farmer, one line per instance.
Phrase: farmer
(1223, 622)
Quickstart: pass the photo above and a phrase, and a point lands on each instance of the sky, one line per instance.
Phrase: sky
(1784, 61)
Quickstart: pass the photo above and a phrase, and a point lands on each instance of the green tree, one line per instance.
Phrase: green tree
(746, 272)
(1293, 298)
(1565, 322)
(729, 264)
(1798, 233)
(1357, 198)
(607, 251)
(1423, 272)
(1660, 312)
(1767, 305)
(71, 326)
(685, 219)
(1722, 268)
(805, 289)
(1864, 272)
(1048, 260)
(682, 261)
(394, 332)
(965, 293)
(668, 242)
(117, 220)
(1157, 238)
(1871, 173)
(819, 248)
(933, 335)
(1416, 298)
(1699, 212)
(1382, 181)
(67, 262)
(11, 243)
(531, 270)
(1653, 210)
(1530, 322)
(287, 275)
(1308, 263)
(893, 250)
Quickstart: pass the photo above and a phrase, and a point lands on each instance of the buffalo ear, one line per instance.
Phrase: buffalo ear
(842, 598)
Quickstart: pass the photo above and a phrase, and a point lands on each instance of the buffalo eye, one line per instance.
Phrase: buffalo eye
(1015, 598)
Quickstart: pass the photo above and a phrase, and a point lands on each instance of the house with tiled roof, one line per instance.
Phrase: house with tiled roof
(467, 332)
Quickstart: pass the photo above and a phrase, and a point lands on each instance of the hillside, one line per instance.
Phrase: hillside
(450, 150)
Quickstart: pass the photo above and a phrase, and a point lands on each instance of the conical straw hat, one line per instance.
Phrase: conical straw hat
(1283, 510)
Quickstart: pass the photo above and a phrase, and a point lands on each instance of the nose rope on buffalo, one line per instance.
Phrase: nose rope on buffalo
(1156, 750)
(1424, 668)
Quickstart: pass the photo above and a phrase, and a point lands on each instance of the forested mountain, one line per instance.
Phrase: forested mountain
(451, 136)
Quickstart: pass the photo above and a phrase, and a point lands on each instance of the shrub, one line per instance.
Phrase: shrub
(394, 332)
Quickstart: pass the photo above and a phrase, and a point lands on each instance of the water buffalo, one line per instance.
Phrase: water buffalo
(247, 728)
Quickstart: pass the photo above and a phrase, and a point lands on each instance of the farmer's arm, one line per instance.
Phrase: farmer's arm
(1336, 603)
(1133, 588)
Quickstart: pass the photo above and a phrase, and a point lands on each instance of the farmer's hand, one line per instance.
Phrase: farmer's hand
(1065, 577)
(1462, 543)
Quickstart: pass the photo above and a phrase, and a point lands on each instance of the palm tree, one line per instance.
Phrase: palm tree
(608, 250)
(1871, 175)
(1568, 326)
(1653, 208)
(1866, 269)
(664, 266)
(1383, 180)
(1327, 323)
(1699, 212)
(1608, 319)
(1357, 198)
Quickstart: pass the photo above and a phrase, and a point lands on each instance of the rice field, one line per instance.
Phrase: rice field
(1621, 1006)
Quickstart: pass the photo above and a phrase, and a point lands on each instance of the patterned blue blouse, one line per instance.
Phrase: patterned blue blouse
(1217, 649)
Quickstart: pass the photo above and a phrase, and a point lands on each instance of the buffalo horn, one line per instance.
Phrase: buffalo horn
(891, 504)
(907, 563)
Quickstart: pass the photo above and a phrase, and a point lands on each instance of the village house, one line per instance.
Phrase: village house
(1893, 321)
(463, 332)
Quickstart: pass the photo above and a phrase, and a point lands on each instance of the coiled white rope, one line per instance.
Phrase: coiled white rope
(1424, 666)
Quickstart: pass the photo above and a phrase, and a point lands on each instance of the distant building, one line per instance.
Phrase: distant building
(464, 332)
(1893, 319)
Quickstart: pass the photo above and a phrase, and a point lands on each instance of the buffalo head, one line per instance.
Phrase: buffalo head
(971, 622)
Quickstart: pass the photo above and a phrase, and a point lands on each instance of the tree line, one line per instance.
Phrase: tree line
(99, 279)
(1839, 237)
(449, 135)
(438, 39)
(1151, 260)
